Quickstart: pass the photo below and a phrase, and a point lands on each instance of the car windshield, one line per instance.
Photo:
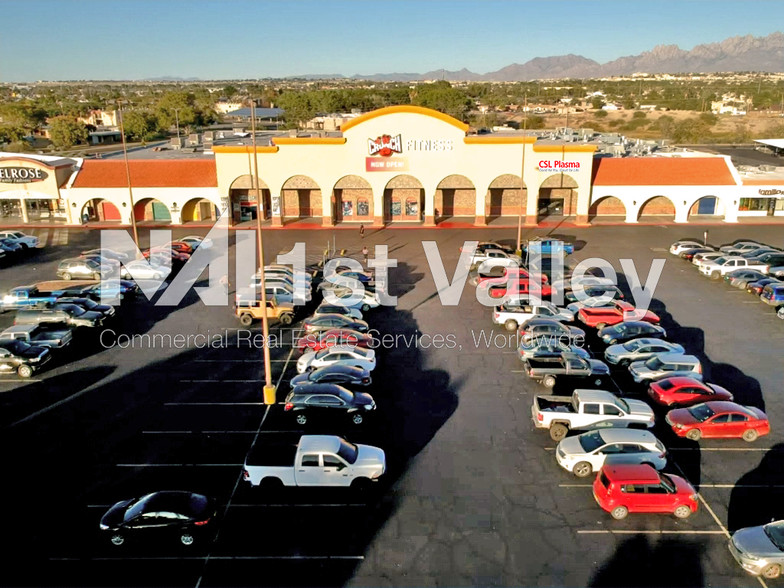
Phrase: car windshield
(72, 309)
(92, 264)
(591, 441)
(138, 507)
(632, 345)
(18, 235)
(622, 405)
(621, 328)
(701, 412)
(348, 451)
(667, 483)
(654, 363)
(16, 346)
(775, 532)
(720, 260)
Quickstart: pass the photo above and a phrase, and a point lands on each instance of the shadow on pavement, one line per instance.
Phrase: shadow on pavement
(758, 495)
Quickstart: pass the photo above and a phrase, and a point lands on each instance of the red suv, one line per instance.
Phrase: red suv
(621, 489)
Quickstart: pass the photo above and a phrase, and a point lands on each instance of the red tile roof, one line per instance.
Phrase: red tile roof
(147, 173)
(662, 171)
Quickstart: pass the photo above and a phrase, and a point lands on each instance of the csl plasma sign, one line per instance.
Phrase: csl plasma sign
(21, 175)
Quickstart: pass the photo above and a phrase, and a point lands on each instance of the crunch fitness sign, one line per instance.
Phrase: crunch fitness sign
(21, 175)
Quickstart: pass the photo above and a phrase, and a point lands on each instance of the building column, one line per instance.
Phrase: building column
(583, 207)
(682, 213)
(23, 210)
(730, 209)
(532, 208)
(326, 209)
(480, 220)
(378, 207)
(632, 211)
(430, 203)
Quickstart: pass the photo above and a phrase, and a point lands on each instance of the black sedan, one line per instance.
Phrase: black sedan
(184, 515)
(690, 253)
(628, 330)
(344, 375)
(315, 401)
(88, 304)
(333, 321)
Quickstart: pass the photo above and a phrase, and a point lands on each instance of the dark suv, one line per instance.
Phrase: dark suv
(22, 358)
(322, 400)
(88, 304)
(70, 314)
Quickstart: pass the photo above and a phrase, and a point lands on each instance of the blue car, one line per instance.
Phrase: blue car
(548, 246)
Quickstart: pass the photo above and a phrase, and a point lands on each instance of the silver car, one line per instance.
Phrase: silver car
(666, 365)
(639, 350)
(587, 453)
(760, 550)
(542, 348)
(326, 308)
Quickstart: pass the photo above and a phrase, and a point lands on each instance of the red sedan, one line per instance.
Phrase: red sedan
(176, 256)
(181, 246)
(719, 419)
(319, 341)
(511, 273)
(682, 391)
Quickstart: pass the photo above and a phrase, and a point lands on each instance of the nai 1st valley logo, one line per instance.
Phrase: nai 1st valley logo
(380, 151)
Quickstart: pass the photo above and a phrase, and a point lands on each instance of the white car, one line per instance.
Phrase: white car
(496, 258)
(741, 246)
(26, 241)
(701, 258)
(587, 453)
(143, 270)
(367, 302)
(277, 269)
(337, 355)
(195, 242)
(721, 266)
(680, 246)
(327, 308)
(638, 350)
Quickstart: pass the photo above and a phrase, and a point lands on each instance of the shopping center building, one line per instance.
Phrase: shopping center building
(398, 165)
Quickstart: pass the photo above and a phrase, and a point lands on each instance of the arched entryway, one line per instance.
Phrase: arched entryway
(199, 209)
(504, 197)
(301, 198)
(455, 196)
(100, 210)
(657, 208)
(404, 199)
(150, 209)
(706, 206)
(607, 207)
(352, 200)
(557, 196)
(242, 198)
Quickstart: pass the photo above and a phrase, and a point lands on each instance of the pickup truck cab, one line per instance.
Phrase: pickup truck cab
(69, 314)
(312, 460)
(26, 297)
(549, 246)
(587, 408)
(38, 336)
(22, 358)
(617, 312)
(25, 241)
(495, 258)
(514, 315)
(567, 366)
(720, 266)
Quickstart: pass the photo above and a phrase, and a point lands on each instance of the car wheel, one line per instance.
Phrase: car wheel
(24, 371)
(771, 571)
(613, 342)
(558, 431)
(286, 319)
(682, 512)
(715, 275)
(510, 325)
(360, 485)
(23, 246)
(624, 363)
(117, 539)
(301, 419)
(750, 435)
(66, 276)
(246, 319)
(157, 276)
(600, 326)
(780, 312)
(549, 381)
(357, 418)
(365, 307)
(619, 512)
(582, 469)
(694, 435)
(96, 276)
(597, 382)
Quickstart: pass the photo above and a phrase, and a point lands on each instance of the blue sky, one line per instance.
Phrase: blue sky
(136, 39)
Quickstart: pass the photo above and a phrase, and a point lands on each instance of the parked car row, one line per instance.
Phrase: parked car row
(14, 244)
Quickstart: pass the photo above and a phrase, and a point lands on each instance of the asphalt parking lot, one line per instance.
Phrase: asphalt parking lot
(473, 494)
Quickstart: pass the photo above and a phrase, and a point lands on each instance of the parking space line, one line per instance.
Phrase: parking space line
(701, 486)
(179, 465)
(215, 557)
(214, 404)
(220, 381)
(297, 505)
(725, 449)
(643, 532)
(198, 432)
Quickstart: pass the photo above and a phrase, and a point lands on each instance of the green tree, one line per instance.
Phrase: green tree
(638, 114)
(666, 124)
(601, 114)
(691, 130)
(298, 107)
(443, 97)
(229, 91)
(709, 118)
(176, 108)
(66, 132)
(597, 102)
(140, 125)
(19, 119)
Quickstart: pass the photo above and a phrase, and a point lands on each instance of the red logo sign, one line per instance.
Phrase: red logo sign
(385, 145)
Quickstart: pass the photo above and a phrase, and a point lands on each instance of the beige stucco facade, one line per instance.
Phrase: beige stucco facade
(429, 160)
(32, 187)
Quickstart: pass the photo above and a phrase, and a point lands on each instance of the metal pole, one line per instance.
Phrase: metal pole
(522, 182)
(128, 177)
(269, 389)
(177, 121)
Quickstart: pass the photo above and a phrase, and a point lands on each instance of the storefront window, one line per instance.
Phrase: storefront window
(363, 207)
(753, 204)
(779, 204)
(348, 208)
(10, 209)
(396, 208)
(412, 208)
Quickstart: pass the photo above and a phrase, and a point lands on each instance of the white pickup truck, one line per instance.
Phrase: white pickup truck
(514, 315)
(587, 409)
(495, 258)
(312, 460)
(721, 266)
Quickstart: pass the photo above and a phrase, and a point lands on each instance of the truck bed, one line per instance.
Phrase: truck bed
(554, 404)
(274, 450)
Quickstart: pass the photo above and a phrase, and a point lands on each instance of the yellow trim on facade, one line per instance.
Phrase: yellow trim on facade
(565, 148)
(309, 140)
(243, 149)
(472, 140)
(405, 109)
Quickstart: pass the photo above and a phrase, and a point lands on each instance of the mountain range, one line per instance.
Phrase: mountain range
(746, 53)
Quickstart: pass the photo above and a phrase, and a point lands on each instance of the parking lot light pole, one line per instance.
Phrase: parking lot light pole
(128, 177)
(522, 184)
(269, 389)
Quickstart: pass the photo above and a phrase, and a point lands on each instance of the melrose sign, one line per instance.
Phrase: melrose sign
(21, 175)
